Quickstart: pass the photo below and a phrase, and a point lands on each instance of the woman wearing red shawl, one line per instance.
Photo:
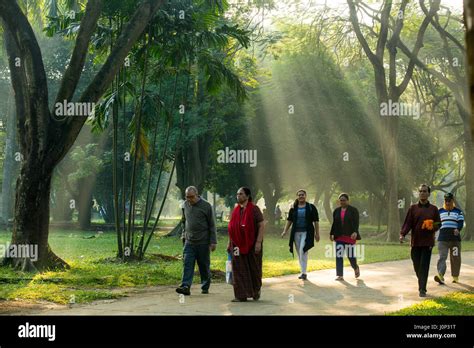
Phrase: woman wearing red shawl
(245, 245)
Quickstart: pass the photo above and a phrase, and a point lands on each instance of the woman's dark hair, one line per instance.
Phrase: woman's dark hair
(344, 195)
(296, 200)
(248, 193)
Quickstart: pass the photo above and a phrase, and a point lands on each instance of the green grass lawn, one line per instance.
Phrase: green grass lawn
(96, 274)
(455, 303)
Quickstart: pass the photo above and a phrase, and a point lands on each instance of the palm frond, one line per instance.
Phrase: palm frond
(217, 74)
(143, 145)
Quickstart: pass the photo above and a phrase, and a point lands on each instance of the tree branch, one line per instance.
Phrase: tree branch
(451, 85)
(391, 45)
(125, 42)
(32, 84)
(453, 144)
(67, 134)
(441, 30)
(384, 22)
(73, 72)
(418, 45)
(18, 81)
(356, 25)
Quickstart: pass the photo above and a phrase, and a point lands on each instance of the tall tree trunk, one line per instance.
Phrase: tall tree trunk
(31, 225)
(372, 209)
(469, 140)
(469, 180)
(108, 205)
(8, 165)
(327, 205)
(318, 195)
(44, 142)
(61, 211)
(387, 89)
(85, 203)
(391, 172)
(469, 20)
(193, 164)
(271, 194)
(380, 214)
(407, 195)
(31, 217)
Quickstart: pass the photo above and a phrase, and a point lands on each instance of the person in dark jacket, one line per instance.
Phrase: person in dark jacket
(423, 220)
(345, 232)
(304, 219)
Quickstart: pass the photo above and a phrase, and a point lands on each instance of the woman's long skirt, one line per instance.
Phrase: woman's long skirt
(247, 274)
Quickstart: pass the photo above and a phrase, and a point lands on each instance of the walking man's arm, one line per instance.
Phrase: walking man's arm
(407, 225)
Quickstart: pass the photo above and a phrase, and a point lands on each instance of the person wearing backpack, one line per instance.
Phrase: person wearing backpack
(303, 218)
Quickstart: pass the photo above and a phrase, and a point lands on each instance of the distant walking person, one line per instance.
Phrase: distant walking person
(200, 238)
(246, 229)
(278, 214)
(345, 232)
(423, 220)
(305, 220)
(449, 239)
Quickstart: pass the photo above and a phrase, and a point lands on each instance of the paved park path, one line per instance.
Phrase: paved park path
(382, 287)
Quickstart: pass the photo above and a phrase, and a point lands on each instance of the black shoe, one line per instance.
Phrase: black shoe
(422, 293)
(257, 297)
(357, 272)
(204, 291)
(304, 276)
(239, 300)
(183, 290)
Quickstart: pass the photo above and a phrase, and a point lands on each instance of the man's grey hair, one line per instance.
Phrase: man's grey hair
(192, 189)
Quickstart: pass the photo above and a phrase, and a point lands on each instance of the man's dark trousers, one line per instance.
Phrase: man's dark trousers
(201, 254)
(421, 257)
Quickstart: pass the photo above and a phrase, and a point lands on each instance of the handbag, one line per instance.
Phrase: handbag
(228, 269)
